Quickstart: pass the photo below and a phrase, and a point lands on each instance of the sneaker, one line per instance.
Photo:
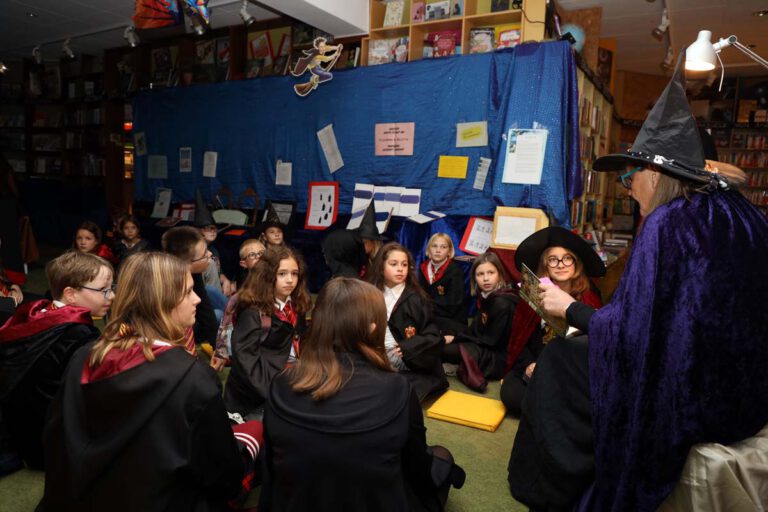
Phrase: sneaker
(450, 369)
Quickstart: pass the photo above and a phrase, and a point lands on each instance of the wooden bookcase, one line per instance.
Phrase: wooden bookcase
(475, 14)
(595, 206)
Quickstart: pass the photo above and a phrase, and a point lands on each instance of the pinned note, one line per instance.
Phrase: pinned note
(472, 134)
(452, 167)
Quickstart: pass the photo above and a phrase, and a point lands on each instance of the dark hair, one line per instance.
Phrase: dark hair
(345, 309)
(91, 226)
(259, 287)
(125, 220)
(486, 257)
(376, 276)
(181, 242)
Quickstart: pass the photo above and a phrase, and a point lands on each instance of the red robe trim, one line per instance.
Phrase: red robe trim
(117, 361)
(39, 316)
(438, 274)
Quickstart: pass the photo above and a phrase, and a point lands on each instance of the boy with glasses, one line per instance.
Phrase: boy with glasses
(38, 341)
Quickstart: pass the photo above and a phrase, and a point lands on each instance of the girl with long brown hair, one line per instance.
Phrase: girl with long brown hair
(411, 338)
(269, 322)
(344, 430)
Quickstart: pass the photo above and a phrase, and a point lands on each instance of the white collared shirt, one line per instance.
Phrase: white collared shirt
(391, 296)
(432, 270)
(280, 305)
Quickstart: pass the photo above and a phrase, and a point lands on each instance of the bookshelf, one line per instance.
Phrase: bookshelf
(595, 207)
(474, 14)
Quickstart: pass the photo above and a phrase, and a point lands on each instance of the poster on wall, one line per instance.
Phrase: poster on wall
(394, 139)
(185, 159)
(477, 236)
(323, 204)
(524, 158)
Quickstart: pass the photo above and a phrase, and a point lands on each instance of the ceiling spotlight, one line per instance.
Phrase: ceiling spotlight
(764, 12)
(199, 28)
(37, 54)
(669, 60)
(66, 50)
(3, 67)
(131, 36)
(247, 17)
(661, 29)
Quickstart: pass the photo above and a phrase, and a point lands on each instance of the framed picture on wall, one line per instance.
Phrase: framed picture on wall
(512, 225)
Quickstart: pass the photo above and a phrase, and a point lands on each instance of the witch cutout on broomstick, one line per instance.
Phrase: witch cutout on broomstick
(313, 61)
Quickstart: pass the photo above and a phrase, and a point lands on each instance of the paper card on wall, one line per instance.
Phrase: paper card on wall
(482, 173)
(283, 173)
(330, 148)
(162, 203)
(472, 134)
(323, 204)
(477, 236)
(410, 202)
(140, 143)
(157, 167)
(423, 218)
(185, 159)
(513, 230)
(452, 167)
(394, 139)
(524, 159)
(361, 198)
(209, 164)
(387, 200)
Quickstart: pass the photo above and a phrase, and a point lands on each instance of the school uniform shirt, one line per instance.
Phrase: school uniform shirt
(35, 346)
(122, 251)
(488, 336)
(445, 284)
(391, 296)
(261, 348)
(150, 437)
(410, 323)
(363, 448)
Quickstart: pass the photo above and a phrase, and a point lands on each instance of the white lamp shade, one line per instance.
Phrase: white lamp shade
(700, 56)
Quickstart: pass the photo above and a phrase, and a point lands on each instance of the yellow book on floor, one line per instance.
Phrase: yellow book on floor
(470, 410)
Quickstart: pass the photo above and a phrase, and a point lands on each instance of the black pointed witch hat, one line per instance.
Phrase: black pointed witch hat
(272, 220)
(669, 138)
(203, 215)
(368, 229)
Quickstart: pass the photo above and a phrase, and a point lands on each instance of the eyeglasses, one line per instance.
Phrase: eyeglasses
(626, 178)
(254, 255)
(553, 261)
(104, 291)
(205, 256)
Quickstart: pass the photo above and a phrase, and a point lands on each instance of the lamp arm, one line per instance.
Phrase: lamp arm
(733, 41)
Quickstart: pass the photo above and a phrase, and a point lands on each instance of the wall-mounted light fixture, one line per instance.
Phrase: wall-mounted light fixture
(702, 55)
(662, 27)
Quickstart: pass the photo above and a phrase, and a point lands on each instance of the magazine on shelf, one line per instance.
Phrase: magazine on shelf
(393, 16)
(437, 10)
(481, 40)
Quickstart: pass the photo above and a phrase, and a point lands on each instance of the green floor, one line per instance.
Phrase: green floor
(483, 455)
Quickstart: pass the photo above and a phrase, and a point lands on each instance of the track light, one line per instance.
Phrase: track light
(131, 36)
(3, 68)
(196, 20)
(37, 54)
(247, 17)
(661, 29)
(669, 60)
(66, 50)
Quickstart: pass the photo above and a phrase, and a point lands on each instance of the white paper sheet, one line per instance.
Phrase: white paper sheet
(479, 237)
(330, 148)
(387, 199)
(185, 159)
(423, 218)
(157, 167)
(322, 204)
(162, 203)
(513, 230)
(410, 202)
(209, 164)
(471, 134)
(524, 158)
(283, 173)
(360, 200)
(482, 173)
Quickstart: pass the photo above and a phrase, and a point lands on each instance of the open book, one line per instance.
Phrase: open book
(529, 290)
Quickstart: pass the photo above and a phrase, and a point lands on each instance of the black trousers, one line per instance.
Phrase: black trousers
(513, 390)
(552, 460)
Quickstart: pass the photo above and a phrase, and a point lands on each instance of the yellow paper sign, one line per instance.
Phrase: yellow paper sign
(453, 167)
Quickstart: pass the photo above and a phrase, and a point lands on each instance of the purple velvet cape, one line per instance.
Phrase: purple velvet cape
(680, 354)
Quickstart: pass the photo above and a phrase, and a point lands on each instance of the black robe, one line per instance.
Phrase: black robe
(155, 437)
(258, 354)
(419, 338)
(488, 336)
(364, 448)
(344, 252)
(206, 325)
(448, 296)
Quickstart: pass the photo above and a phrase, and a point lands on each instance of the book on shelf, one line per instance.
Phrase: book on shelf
(384, 51)
(499, 5)
(457, 7)
(444, 42)
(507, 35)
(205, 61)
(417, 12)
(481, 40)
(437, 10)
(222, 58)
(393, 16)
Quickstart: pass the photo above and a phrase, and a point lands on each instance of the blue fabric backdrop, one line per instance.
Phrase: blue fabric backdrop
(253, 123)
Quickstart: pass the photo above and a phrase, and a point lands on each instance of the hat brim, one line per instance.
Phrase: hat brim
(530, 250)
(618, 161)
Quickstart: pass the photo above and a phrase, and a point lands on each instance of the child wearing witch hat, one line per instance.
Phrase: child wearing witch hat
(349, 251)
(218, 284)
(272, 230)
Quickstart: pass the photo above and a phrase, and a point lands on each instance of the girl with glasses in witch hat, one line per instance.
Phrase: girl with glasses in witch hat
(567, 261)
(676, 358)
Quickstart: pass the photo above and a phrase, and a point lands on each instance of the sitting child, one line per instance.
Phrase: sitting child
(38, 341)
(443, 280)
(412, 340)
(272, 230)
(88, 239)
(130, 241)
(268, 325)
(250, 252)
